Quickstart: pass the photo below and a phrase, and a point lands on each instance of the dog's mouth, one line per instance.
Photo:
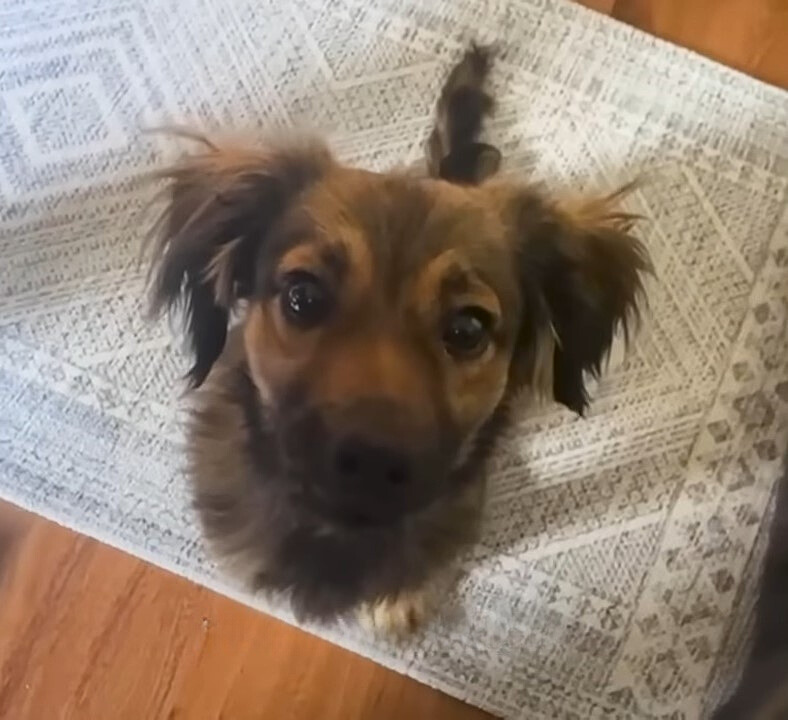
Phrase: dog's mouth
(348, 514)
(366, 509)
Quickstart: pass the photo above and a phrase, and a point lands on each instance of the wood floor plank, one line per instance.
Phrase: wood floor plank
(603, 6)
(750, 35)
(88, 632)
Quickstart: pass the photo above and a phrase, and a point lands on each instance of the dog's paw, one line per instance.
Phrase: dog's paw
(395, 617)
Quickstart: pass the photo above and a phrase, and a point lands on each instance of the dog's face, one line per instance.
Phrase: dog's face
(379, 334)
(387, 318)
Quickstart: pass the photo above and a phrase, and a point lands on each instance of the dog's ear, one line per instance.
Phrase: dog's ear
(581, 270)
(220, 204)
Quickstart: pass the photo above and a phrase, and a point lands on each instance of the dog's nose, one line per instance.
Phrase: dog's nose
(358, 460)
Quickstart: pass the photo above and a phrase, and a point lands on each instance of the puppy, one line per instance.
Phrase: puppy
(385, 323)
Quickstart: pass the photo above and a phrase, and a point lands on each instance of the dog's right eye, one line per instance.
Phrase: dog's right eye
(305, 300)
(467, 333)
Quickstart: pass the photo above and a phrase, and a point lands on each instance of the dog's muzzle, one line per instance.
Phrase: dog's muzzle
(366, 463)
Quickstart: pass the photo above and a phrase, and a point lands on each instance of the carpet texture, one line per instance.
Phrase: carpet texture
(616, 575)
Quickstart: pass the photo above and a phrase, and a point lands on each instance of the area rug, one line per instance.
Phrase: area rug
(616, 574)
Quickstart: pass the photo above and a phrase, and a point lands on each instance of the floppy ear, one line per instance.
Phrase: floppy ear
(581, 270)
(220, 204)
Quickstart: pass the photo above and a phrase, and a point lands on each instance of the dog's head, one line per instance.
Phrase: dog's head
(386, 319)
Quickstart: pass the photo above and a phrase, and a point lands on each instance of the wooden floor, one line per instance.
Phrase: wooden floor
(88, 632)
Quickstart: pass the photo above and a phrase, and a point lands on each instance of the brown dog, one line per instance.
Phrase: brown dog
(386, 322)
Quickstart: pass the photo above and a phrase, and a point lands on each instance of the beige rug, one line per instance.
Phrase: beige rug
(615, 578)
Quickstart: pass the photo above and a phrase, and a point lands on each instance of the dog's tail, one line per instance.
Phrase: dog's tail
(453, 149)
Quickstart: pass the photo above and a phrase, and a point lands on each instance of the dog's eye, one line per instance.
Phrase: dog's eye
(304, 299)
(466, 333)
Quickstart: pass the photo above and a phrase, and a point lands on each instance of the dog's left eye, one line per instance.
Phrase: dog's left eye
(304, 299)
(466, 333)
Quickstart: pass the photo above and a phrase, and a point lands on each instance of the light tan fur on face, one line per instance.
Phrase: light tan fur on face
(275, 354)
(472, 388)
(384, 340)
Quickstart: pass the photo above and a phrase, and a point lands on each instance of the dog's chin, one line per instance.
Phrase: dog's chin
(350, 513)
(354, 518)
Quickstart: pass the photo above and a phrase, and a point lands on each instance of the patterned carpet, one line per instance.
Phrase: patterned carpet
(616, 573)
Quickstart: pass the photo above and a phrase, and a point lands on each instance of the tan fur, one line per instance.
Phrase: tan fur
(368, 348)
(395, 616)
(399, 254)
(337, 458)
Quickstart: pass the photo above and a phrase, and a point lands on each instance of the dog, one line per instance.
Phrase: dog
(358, 339)
(762, 691)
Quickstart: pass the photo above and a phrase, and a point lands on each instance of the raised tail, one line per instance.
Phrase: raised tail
(454, 152)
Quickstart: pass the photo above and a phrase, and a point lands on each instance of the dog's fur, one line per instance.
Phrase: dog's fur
(453, 149)
(762, 693)
(340, 463)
